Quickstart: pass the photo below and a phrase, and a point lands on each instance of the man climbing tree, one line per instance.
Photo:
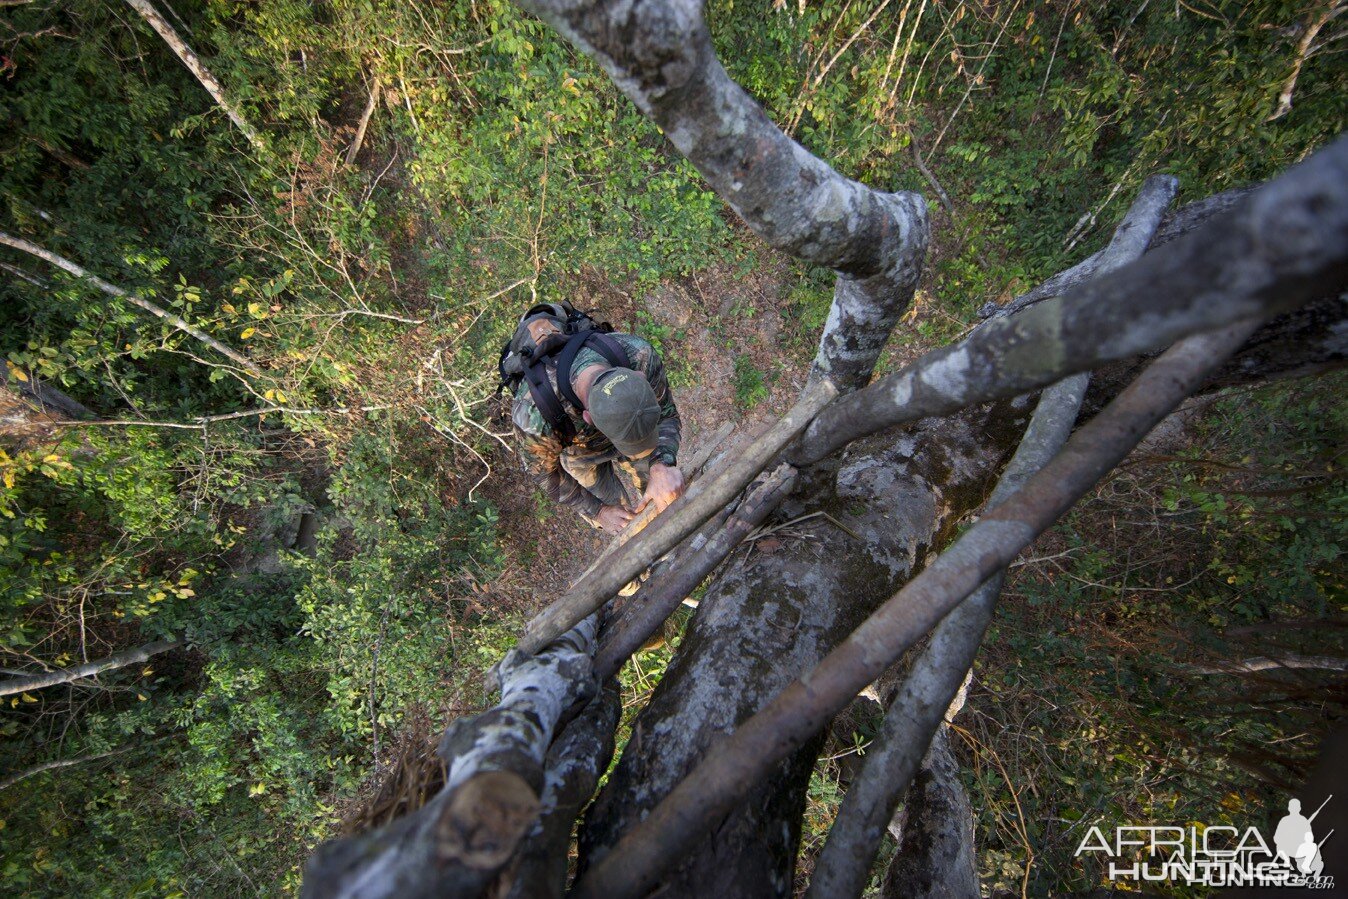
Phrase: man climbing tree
(594, 416)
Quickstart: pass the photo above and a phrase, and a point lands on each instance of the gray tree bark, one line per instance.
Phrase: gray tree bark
(914, 717)
(74, 673)
(197, 68)
(935, 833)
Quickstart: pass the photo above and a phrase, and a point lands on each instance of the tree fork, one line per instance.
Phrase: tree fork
(735, 764)
(1283, 246)
(916, 712)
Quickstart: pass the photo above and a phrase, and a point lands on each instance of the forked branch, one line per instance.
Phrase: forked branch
(734, 765)
(1284, 245)
(914, 716)
(660, 54)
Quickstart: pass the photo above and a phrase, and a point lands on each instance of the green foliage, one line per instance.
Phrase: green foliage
(1090, 656)
(497, 156)
(750, 386)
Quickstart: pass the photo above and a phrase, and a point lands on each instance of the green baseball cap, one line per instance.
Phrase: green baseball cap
(623, 407)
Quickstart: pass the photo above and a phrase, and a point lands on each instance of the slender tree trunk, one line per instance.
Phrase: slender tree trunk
(65, 264)
(1305, 50)
(89, 669)
(197, 68)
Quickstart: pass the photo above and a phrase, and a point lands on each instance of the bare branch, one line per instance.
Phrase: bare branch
(1305, 50)
(678, 521)
(1285, 245)
(78, 672)
(61, 262)
(1261, 663)
(195, 66)
(354, 150)
(736, 763)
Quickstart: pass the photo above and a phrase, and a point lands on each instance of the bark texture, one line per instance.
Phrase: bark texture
(459, 842)
(935, 827)
(763, 622)
(736, 766)
(660, 54)
(576, 760)
(914, 718)
(648, 610)
(1283, 246)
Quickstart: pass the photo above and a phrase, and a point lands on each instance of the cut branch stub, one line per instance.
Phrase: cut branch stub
(735, 764)
(674, 524)
(458, 842)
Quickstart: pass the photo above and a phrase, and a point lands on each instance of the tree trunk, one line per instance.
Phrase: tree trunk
(195, 66)
(935, 833)
(89, 669)
(764, 622)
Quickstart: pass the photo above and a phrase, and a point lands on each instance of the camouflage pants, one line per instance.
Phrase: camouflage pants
(615, 479)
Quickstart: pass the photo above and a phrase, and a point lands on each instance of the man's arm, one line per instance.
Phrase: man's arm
(671, 427)
(666, 481)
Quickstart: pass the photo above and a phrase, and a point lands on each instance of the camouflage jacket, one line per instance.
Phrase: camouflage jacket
(542, 449)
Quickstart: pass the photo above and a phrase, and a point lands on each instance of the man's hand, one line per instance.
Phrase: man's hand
(665, 486)
(612, 518)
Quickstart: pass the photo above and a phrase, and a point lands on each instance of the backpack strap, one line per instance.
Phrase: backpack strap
(603, 344)
(548, 405)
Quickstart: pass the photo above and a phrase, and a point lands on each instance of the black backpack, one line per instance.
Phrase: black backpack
(553, 333)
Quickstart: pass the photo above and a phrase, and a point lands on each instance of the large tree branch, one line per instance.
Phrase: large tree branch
(735, 764)
(915, 714)
(458, 842)
(65, 264)
(575, 762)
(660, 54)
(89, 669)
(1286, 244)
(197, 68)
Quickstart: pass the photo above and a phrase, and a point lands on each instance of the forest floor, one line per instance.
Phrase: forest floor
(725, 342)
